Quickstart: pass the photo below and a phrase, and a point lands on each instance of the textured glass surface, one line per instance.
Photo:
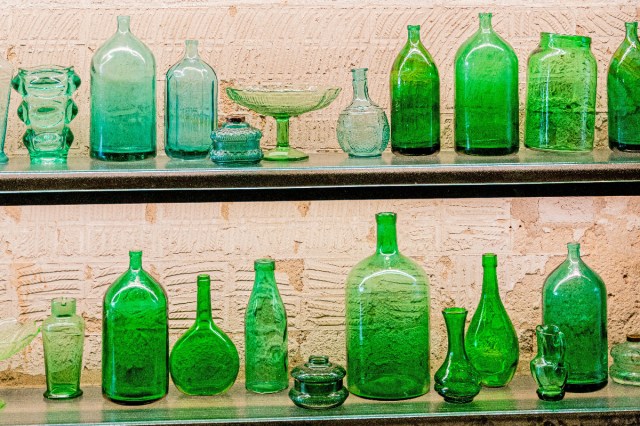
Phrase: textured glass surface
(626, 361)
(574, 298)
(415, 99)
(6, 73)
(14, 336)
(486, 94)
(135, 337)
(317, 384)
(548, 367)
(387, 321)
(123, 98)
(236, 142)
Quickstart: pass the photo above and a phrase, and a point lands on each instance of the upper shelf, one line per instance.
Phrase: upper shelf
(323, 176)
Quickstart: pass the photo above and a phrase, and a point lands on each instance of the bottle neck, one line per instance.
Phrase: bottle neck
(203, 314)
(490, 275)
(123, 24)
(265, 273)
(360, 88)
(63, 307)
(485, 22)
(454, 319)
(135, 260)
(414, 34)
(573, 252)
(631, 34)
(387, 239)
(191, 49)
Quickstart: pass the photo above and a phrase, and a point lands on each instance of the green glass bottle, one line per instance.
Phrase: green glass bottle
(574, 298)
(265, 334)
(548, 367)
(135, 337)
(486, 94)
(415, 99)
(204, 361)
(492, 343)
(387, 321)
(623, 90)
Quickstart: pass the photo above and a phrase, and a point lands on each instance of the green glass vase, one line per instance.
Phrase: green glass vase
(574, 298)
(492, 343)
(456, 380)
(265, 328)
(135, 337)
(204, 361)
(387, 319)
(623, 90)
(548, 368)
(415, 99)
(486, 94)
(123, 98)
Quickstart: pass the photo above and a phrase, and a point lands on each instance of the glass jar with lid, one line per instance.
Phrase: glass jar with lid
(318, 384)
(626, 361)
(236, 142)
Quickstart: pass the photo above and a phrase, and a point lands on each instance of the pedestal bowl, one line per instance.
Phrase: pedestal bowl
(14, 336)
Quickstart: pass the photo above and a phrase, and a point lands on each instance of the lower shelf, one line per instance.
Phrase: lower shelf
(516, 404)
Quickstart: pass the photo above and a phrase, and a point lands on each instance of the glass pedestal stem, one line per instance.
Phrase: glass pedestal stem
(282, 124)
(282, 151)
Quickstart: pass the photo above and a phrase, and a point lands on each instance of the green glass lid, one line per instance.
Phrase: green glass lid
(318, 370)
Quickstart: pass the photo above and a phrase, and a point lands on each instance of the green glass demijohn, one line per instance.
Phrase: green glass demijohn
(415, 99)
(204, 361)
(387, 320)
(623, 91)
(492, 343)
(574, 298)
(123, 98)
(486, 94)
(548, 368)
(135, 337)
(265, 328)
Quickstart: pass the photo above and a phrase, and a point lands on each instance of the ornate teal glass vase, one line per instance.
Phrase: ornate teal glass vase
(47, 109)
(6, 74)
(548, 368)
(123, 98)
(191, 110)
(387, 321)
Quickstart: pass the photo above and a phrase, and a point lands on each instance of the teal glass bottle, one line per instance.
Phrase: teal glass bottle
(548, 367)
(387, 321)
(623, 91)
(6, 74)
(486, 94)
(415, 99)
(574, 298)
(204, 361)
(456, 380)
(135, 337)
(265, 328)
(123, 98)
(191, 106)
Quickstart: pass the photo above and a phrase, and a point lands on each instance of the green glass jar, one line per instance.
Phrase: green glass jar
(548, 368)
(561, 94)
(317, 384)
(236, 143)
(626, 361)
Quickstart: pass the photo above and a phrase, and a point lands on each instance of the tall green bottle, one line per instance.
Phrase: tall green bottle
(265, 334)
(415, 99)
(486, 94)
(135, 337)
(574, 298)
(492, 343)
(387, 322)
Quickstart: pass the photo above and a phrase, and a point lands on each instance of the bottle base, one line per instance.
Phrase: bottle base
(486, 152)
(65, 395)
(550, 396)
(134, 401)
(186, 155)
(416, 151)
(585, 387)
(568, 150)
(130, 156)
(458, 400)
(266, 389)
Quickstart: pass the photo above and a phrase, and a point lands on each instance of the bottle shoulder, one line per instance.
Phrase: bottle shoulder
(123, 53)
(414, 59)
(377, 267)
(626, 57)
(484, 47)
(135, 286)
(192, 68)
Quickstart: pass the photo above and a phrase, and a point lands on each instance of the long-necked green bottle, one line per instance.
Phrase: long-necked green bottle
(486, 94)
(623, 90)
(387, 322)
(123, 98)
(492, 343)
(135, 337)
(265, 334)
(574, 298)
(415, 99)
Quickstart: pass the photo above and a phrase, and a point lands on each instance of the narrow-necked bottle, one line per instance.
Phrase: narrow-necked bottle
(623, 90)
(6, 74)
(191, 106)
(135, 337)
(415, 99)
(123, 98)
(266, 346)
(486, 94)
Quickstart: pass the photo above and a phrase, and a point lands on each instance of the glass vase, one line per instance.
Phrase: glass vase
(626, 361)
(6, 74)
(363, 129)
(415, 99)
(123, 98)
(387, 319)
(486, 94)
(574, 298)
(135, 337)
(548, 367)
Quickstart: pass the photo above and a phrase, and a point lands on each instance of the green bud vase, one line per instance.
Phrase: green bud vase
(548, 368)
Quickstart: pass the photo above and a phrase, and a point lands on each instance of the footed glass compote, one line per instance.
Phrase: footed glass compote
(14, 336)
(283, 103)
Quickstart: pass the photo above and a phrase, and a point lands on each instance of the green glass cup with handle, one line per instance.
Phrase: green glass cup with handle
(549, 368)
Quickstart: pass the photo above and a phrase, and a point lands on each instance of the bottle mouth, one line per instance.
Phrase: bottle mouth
(264, 264)
(454, 311)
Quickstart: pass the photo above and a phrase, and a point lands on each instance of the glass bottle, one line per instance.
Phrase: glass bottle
(415, 99)
(486, 94)
(191, 106)
(626, 361)
(574, 298)
(363, 129)
(236, 143)
(123, 98)
(135, 337)
(63, 340)
(204, 361)
(265, 326)
(548, 368)
(6, 74)
(561, 94)
(456, 380)
(623, 90)
(492, 343)
(317, 384)
(387, 319)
